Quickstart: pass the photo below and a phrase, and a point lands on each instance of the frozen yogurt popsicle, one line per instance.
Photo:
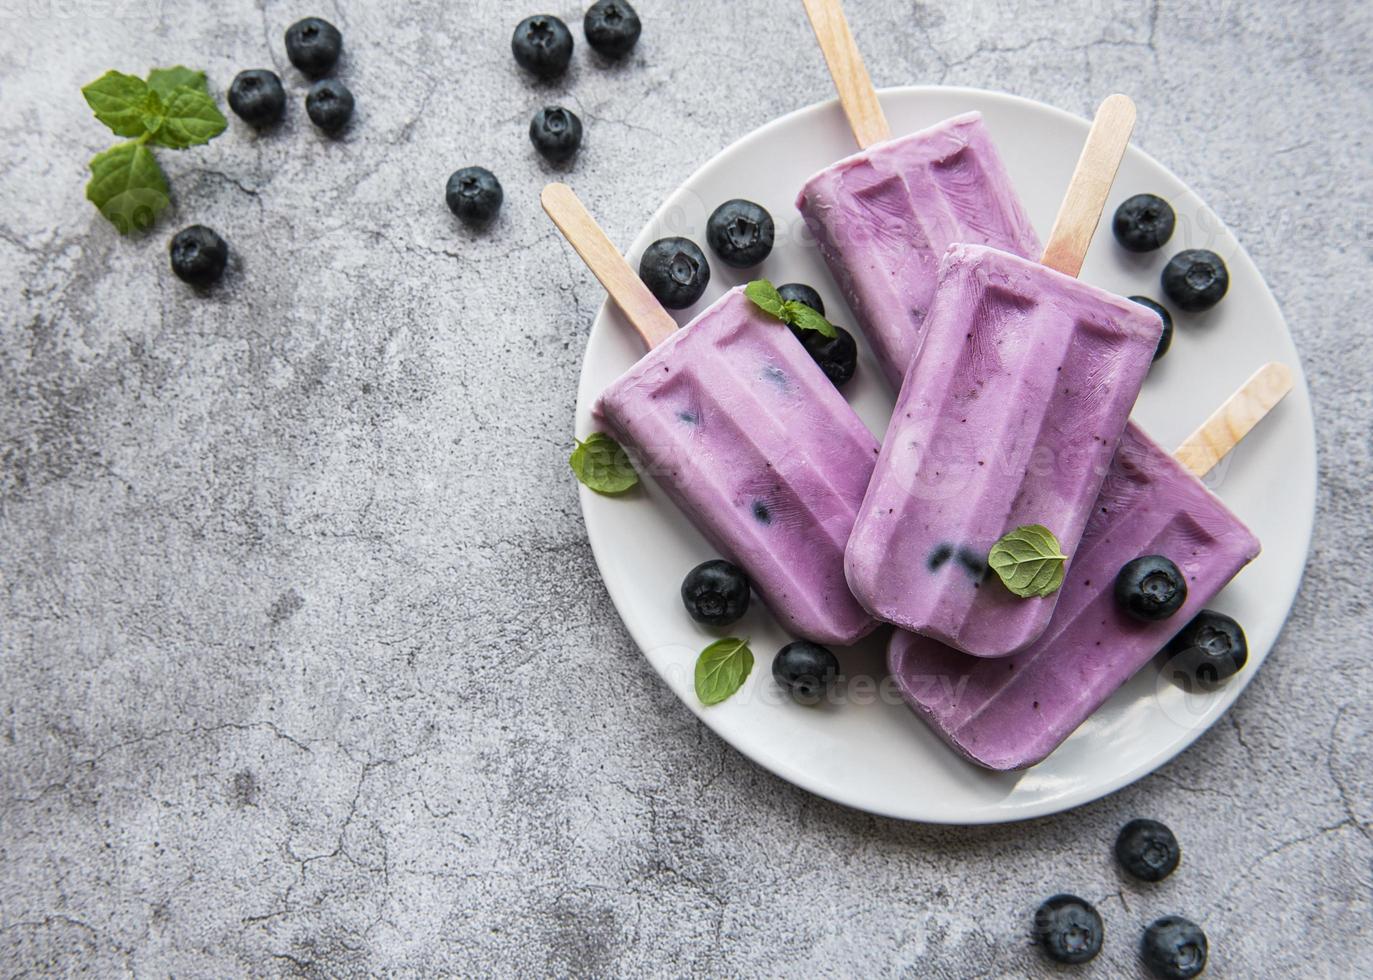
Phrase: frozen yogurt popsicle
(1008, 416)
(1011, 713)
(739, 425)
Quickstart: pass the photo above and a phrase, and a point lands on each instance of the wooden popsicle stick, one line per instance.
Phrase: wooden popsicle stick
(645, 314)
(850, 75)
(1080, 212)
(1230, 423)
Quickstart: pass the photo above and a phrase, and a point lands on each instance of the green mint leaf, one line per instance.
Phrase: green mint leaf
(722, 668)
(154, 114)
(766, 297)
(191, 118)
(601, 464)
(119, 101)
(802, 317)
(1029, 561)
(164, 80)
(128, 187)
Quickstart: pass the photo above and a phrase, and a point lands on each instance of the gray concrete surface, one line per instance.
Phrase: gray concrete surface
(305, 667)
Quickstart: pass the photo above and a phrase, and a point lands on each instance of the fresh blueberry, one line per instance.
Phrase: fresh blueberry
(1068, 929)
(1209, 649)
(612, 27)
(805, 669)
(542, 44)
(716, 592)
(676, 271)
(474, 194)
(1196, 279)
(1150, 588)
(313, 45)
(837, 356)
(1147, 849)
(329, 104)
(556, 133)
(799, 292)
(741, 233)
(1143, 223)
(257, 97)
(1174, 948)
(1166, 340)
(198, 255)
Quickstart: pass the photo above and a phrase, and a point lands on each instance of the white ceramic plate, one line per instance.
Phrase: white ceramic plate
(868, 750)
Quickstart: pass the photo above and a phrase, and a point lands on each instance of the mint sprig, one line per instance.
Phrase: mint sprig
(602, 464)
(1029, 561)
(722, 668)
(794, 314)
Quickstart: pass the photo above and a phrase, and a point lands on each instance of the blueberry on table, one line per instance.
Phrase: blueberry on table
(612, 27)
(313, 45)
(1147, 849)
(1174, 948)
(675, 270)
(1209, 649)
(542, 44)
(556, 133)
(329, 105)
(1143, 223)
(1196, 279)
(474, 194)
(837, 356)
(1166, 340)
(799, 292)
(198, 255)
(716, 592)
(805, 670)
(741, 233)
(1150, 588)
(1068, 929)
(256, 96)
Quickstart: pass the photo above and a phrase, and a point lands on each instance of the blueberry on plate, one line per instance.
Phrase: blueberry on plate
(542, 44)
(741, 233)
(716, 592)
(474, 194)
(1143, 223)
(1210, 648)
(1150, 588)
(313, 45)
(1174, 948)
(1147, 849)
(198, 255)
(256, 96)
(1196, 279)
(805, 670)
(329, 105)
(1068, 929)
(837, 356)
(675, 270)
(1166, 339)
(799, 292)
(556, 133)
(612, 27)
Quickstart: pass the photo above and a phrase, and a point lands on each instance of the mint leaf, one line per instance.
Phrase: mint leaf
(722, 668)
(164, 80)
(119, 101)
(128, 187)
(802, 317)
(766, 297)
(601, 464)
(192, 118)
(1029, 561)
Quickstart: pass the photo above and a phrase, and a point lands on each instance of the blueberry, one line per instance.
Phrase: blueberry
(805, 669)
(1143, 223)
(556, 133)
(837, 356)
(799, 292)
(1150, 588)
(542, 44)
(1196, 279)
(716, 592)
(1174, 948)
(1166, 340)
(1068, 929)
(1147, 849)
(675, 270)
(198, 255)
(257, 97)
(1209, 649)
(741, 233)
(329, 105)
(612, 27)
(474, 194)
(313, 45)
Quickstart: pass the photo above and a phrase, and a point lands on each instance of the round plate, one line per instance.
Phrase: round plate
(866, 749)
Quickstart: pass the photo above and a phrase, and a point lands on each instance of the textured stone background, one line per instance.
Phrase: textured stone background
(302, 648)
